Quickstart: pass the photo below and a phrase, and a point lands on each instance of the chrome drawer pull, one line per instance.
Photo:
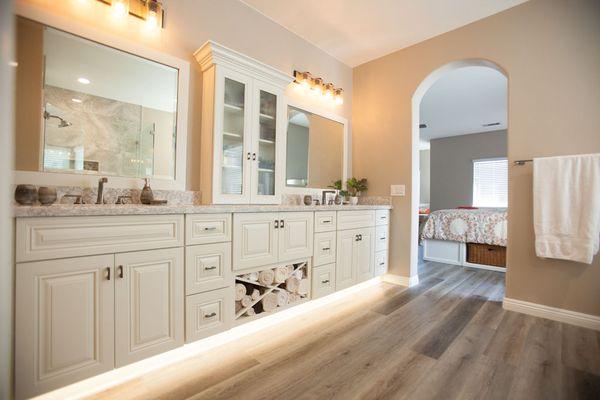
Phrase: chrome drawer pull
(108, 273)
(325, 281)
(212, 314)
(210, 268)
(327, 222)
(326, 248)
(382, 263)
(382, 238)
(210, 228)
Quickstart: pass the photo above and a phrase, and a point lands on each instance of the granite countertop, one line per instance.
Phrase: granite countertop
(70, 210)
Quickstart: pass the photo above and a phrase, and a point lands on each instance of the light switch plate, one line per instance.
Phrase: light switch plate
(397, 190)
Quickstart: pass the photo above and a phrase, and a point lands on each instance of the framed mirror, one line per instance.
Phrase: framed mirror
(88, 109)
(316, 150)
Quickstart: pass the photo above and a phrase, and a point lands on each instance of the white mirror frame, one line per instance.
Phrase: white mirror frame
(346, 170)
(136, 49)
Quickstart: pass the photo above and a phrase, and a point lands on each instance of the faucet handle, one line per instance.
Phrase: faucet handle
(121, 199)
(77, 197)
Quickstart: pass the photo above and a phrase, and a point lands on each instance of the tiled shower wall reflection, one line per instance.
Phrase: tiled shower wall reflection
(107, 136)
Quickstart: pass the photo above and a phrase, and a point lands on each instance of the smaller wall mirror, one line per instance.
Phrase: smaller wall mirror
(315, 150)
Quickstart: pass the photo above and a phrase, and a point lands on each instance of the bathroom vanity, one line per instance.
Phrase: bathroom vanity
(97, 292)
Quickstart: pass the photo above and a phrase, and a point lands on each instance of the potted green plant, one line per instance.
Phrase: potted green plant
(355, 188)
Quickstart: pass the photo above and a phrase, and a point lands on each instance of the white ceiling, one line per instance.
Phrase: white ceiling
(357, 31)
(461, 101)
(113, 74)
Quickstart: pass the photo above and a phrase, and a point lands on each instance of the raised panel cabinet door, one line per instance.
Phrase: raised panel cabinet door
(365, 254)
(149, 304)
(268, 126)
(345, 273)
(207, 267)
(323, 281)
(295, 235)
(64, 322)
(255, 239)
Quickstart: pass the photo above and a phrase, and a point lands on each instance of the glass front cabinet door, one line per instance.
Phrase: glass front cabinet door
(243, 128)
(248, 139)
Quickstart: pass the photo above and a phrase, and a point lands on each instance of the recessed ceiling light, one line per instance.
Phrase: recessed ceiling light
(491, 124)
(76, 100)
(422, 126)
(84, 81)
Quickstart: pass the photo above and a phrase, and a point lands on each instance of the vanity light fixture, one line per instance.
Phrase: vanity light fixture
(120, 8)
(149, 11)
(328, 91)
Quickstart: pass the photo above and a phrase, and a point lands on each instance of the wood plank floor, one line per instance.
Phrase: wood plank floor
(447, 338)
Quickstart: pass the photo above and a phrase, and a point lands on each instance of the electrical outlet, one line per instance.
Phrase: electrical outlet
(398, 190)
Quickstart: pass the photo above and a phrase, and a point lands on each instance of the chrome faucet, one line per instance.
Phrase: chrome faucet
(101, 183)
(324, 196)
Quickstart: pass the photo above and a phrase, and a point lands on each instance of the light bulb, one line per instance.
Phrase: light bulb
(120, 8)
(329, 91)
(153, 14)
(339, 99)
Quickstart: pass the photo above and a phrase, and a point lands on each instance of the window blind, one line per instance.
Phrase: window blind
(490, 183)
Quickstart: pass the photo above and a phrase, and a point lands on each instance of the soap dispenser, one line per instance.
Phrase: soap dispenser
(146, 197)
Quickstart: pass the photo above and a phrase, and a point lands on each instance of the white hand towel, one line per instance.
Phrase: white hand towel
(566, 203)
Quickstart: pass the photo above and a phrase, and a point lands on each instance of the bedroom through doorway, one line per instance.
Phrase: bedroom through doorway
(460, 148)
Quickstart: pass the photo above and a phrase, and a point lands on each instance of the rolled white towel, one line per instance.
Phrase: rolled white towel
(290, 270)
(282, 298)
(303, 287)
(246, 301)
(266, 277)
(299, 273)
(238, 306)
(269, 302)
(293, 297)
(280, 274)
(240, 291)
(255, 294)
(250, 312)
(291, 284)
(252, 276)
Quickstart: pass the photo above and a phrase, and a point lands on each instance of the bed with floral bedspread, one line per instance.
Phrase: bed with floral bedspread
(485, 226)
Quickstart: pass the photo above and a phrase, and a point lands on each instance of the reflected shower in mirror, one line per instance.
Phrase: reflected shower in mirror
(315, 150)
(103, 111)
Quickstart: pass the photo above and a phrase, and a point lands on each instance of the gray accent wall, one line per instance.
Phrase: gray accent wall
(451, 166)
(424, 176)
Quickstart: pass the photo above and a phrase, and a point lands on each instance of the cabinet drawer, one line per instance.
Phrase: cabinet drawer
(207, 228)
(381, 237)
(207, 267)
(208, 313)
(60, 237)
(381, 262)
(382, 217)
(324, 248)
(325, 221)
(323, 280)
(355, 219)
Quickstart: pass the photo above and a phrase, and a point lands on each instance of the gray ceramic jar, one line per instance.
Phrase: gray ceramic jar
(26, 195)
(46, 195)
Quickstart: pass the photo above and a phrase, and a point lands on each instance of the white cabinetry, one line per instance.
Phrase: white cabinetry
(354, 257)
(64, 322)
(262, 239)
(243, 123)
(149, 303)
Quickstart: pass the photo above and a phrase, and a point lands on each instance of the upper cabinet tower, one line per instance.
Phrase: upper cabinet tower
(243, 128)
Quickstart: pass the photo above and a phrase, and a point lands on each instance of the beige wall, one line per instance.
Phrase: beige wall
(550, 50)
(28, 94)
(188, 24)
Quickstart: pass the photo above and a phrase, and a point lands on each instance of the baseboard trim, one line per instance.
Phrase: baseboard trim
(552, 313)
(409, 281)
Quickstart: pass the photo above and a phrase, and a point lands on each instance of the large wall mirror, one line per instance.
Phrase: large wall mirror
(315, 150)
(89, 109)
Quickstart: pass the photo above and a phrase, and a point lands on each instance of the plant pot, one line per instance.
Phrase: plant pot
(353, 200)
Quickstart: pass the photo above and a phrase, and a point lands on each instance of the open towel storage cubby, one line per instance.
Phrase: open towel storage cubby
(272, 289)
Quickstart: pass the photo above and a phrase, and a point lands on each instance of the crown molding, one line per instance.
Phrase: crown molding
(212, 53)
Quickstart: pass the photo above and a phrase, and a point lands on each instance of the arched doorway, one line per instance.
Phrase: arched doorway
(417, 99)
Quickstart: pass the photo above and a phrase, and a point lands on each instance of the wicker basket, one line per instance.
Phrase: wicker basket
(486, 254)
